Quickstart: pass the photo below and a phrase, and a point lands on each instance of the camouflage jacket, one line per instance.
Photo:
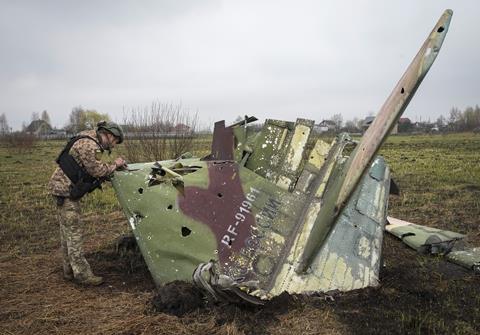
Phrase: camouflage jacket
(86, 152)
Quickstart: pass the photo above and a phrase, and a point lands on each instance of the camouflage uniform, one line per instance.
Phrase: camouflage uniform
(86, 152)
(71, 233)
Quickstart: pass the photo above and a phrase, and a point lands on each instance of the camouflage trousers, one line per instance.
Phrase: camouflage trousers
(71, 236)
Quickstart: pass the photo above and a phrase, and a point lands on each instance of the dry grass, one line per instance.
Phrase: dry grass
(19, 142)
(440, 181)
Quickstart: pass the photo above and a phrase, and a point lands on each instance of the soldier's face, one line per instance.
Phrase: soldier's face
(112, 140)
(109, 141)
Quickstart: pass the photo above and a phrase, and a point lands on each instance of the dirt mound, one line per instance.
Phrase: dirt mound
(178, 298)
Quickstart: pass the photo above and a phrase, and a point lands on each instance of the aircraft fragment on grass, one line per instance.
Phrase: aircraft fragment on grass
(271, 211)
(433, 241)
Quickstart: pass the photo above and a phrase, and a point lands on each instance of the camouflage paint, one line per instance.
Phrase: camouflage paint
(217, 205)
(172, 248)
(420, 237)
(469, 259)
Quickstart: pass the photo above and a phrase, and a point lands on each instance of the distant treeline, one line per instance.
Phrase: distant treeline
(458, 120)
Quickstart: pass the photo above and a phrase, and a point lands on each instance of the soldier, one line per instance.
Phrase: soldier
(80, 171)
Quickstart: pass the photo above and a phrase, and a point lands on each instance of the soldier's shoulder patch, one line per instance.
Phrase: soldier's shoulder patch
(98, 154)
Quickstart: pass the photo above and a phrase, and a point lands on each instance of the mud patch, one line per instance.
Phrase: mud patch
(178, 298)
(185, 300)
(122, 268)
(471, 188)
(253, 319)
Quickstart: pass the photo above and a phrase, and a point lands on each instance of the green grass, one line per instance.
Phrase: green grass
(439, 177)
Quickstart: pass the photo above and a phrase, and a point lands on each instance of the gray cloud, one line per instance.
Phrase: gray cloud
(278, 59)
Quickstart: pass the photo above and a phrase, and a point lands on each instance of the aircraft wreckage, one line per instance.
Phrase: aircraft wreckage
(265, 212)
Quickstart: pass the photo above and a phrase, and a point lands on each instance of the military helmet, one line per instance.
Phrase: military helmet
(112, 128)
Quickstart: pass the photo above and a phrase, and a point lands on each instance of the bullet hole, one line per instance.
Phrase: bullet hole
(140, 190)
(169, 206)
(185, 231)
(440, 29)
(402, 91)
(219, 195)
(161, 172)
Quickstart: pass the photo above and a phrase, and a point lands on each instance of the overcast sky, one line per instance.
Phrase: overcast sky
(271, 59)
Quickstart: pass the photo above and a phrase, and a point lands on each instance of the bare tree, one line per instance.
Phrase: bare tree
(471, 118)
(160, 132)
(4, 128)
(18, 141)
(351, 126)
(35, 116)
(441, 121)
(74, 120)
(338, 120)
(466, 120)
(82, 119)
(45, 117)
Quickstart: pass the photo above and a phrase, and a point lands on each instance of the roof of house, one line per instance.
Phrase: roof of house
(37, 126)
(325, 123)
(181, 126)
(368, 120)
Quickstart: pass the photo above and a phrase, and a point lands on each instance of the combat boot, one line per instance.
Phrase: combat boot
(67, 272)
(91, 280)
(68, 275)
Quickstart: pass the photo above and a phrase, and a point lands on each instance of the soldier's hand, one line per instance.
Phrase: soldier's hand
(120, 163)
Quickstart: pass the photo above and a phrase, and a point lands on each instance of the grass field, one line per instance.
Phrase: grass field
(439, 178)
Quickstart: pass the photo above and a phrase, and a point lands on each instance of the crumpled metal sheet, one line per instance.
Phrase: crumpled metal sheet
(225, 288)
